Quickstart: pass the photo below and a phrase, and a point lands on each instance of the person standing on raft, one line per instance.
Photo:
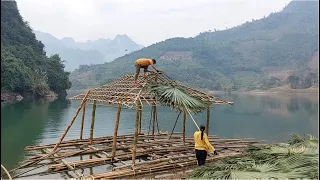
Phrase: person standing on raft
(202, 145)
(144, 63)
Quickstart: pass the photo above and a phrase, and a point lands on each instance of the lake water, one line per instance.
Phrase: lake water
(264, 117)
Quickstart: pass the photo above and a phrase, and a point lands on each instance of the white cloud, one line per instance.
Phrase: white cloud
(145, 21)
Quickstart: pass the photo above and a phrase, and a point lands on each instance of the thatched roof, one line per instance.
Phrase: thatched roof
(124, 91)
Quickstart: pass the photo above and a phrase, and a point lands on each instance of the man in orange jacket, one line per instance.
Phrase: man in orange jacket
(144, 63)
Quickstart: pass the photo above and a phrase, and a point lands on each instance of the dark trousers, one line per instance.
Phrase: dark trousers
(201, 156)
(138, 70)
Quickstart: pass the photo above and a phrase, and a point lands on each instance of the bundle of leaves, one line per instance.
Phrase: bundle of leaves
(176, 97)
(296, 159)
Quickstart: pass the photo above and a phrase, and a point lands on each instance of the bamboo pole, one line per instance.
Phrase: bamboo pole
(184, 127)
(65, 163)
(154, 118)
(140, 119)
(208, 120)
(138, 106)
(92, 120)
(115, 133)
(82, 121)
(5, 170)
(188, 111)
(72, 121)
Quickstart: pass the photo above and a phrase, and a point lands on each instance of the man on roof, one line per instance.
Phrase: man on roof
(144, 63)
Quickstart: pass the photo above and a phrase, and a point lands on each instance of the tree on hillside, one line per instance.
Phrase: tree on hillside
(24, 65)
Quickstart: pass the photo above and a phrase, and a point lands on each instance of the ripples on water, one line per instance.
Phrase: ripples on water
(267, 117)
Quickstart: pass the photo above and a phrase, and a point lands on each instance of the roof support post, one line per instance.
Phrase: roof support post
(92, 120)
(82, 121)
(140, 119)
(115, 133)
(154, 107)
(184, 127)
(208, 120)
(135, 140)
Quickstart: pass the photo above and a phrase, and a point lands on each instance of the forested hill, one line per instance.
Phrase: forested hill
(260, 54)
(24, 65)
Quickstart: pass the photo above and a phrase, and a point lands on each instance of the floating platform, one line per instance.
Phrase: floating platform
(93, 160)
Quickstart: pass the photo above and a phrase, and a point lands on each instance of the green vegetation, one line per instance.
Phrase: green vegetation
(296, 159)
(24, 65)
(254, 55)
(176, 97)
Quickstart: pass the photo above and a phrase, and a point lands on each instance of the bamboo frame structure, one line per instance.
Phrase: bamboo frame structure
(163, 152)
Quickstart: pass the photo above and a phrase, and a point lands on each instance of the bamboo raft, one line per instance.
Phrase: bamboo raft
(125, 156)
(154, 153)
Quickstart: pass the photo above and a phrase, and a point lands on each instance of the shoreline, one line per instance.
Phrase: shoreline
(313, 91)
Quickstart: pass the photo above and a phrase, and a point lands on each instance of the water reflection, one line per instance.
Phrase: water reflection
(267, 117)
(23, 124)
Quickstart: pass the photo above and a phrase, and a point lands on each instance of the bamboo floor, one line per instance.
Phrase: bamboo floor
(82, 159)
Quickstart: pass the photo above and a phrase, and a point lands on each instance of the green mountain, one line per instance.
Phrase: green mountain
(25, 68)
(90, 52)
(260, 54)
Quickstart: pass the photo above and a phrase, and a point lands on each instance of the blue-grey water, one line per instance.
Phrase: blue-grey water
(264, 117)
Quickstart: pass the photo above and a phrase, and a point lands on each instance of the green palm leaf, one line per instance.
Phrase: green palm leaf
(176, 98)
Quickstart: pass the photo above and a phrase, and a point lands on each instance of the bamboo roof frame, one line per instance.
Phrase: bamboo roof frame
(124, 91)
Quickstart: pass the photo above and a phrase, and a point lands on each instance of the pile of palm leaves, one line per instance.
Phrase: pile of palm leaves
(176, 97)
(296, 159)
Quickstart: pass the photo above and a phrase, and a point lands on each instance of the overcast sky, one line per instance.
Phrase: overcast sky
(145, 21)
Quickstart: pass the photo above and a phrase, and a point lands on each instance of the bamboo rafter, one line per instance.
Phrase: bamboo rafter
(124, 91)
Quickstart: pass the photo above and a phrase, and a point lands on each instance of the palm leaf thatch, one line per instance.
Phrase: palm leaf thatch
(176, 98)
(294, 160)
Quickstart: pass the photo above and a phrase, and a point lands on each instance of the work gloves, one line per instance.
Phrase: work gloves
(215, 152)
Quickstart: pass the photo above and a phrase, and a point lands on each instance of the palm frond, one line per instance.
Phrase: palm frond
(176, 98)
(293, 160)
(263, 175)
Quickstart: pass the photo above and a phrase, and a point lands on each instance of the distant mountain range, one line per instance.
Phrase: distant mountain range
(274, 51)
(90, 52)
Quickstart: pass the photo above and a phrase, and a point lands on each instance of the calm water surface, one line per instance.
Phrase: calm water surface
(265, 117)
